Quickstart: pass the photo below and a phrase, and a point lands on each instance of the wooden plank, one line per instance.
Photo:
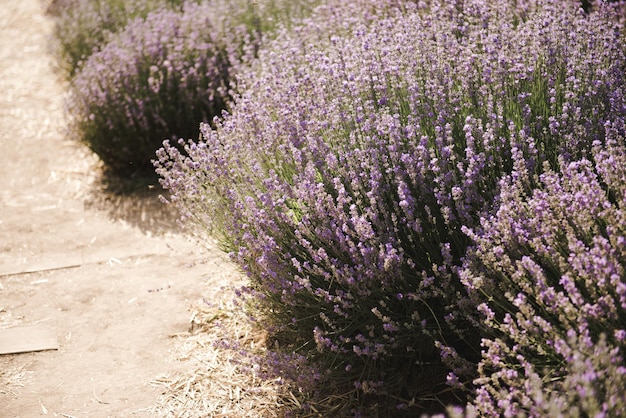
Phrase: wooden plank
(7, 270)
(28, 338)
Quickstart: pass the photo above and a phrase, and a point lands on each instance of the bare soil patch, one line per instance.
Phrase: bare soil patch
(113, 275)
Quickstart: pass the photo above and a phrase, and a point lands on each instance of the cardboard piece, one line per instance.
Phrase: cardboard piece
(24, 339)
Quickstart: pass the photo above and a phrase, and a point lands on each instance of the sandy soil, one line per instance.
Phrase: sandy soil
(112, 275)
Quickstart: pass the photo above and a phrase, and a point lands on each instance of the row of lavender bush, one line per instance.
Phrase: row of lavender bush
(146, 70)
(428, 200)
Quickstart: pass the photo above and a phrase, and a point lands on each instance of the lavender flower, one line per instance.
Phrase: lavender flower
(556, 313)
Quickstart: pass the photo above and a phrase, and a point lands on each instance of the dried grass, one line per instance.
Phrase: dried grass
(222, 381)
(12, 377)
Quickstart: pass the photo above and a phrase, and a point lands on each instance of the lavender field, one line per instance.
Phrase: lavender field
(428, 197)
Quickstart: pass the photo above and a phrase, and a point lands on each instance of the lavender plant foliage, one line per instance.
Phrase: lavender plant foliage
(552, 262)
(360, 153)
(85, 26)
(159, 78)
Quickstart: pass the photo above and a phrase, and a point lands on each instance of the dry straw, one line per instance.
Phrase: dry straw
(222, 379)
(12, 377)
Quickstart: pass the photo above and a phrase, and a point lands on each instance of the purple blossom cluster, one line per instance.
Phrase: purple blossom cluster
(592, 384)
(159, 78)
(553, 262)
(365, 156)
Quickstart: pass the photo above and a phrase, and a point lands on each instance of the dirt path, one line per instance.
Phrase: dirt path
(112, 277)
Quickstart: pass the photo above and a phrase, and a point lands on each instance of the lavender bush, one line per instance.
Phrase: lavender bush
(85, 26)
(361, 152)
(164, 74)
(159, 78)
(552, 262)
